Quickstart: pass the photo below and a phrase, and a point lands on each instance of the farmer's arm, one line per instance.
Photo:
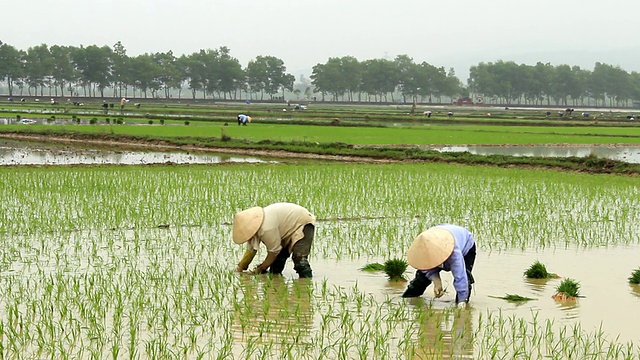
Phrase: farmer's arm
(271, 257)
(459, 272)
(432, 273)
(272, 241)
(247, 258)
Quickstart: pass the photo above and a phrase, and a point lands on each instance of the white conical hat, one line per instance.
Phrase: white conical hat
(431, 248)
(246, 224)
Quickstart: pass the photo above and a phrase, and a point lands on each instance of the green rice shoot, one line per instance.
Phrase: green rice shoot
(513, 297)
(635, 277)
(373, 267)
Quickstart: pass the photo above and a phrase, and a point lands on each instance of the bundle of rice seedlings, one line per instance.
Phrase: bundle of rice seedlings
(538, 271)
(395, 269)
(568, 289)
(635, 277)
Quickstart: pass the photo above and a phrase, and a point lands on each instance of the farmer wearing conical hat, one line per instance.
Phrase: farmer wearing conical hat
(443, 247)
(285, 229)
(243, 119)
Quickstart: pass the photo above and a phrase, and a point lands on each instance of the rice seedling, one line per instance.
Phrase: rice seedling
(373, 267)
(635, 277)
(513, 298)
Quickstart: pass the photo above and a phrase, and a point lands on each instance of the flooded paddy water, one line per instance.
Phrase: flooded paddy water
(85, 274)
(23, 153)
(629, 154)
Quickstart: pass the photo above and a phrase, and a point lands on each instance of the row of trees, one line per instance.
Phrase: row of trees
(347, 78)
(89, 71)
(510, 83)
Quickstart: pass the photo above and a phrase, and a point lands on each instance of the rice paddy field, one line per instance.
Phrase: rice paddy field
(136, 262)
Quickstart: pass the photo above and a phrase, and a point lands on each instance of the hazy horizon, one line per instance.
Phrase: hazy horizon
(304, 33)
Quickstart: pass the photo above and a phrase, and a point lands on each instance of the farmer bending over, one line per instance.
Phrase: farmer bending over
(243, 119)
(443, 247)
(285, 229)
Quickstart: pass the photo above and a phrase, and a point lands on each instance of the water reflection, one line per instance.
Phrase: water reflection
(537, 286)
(274, 310)
(12, 154)
(38, 121)
(569, 308)
(441, 333)
(626, 153)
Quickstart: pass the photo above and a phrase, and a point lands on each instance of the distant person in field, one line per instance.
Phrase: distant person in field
(445, 247)
(286, 229)
(243, 119)
(123, 101)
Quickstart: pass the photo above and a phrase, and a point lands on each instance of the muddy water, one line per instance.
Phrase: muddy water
(608, 304)
(630, 154)
(19, 153)
(608, 301)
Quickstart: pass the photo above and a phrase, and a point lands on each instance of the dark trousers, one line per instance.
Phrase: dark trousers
(299, 255)
(419, 284)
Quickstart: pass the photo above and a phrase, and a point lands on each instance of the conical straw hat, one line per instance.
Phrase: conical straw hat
(246, 224)
(248, 118)
(430, 249)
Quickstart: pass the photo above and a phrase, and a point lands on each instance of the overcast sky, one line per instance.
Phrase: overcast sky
(303, 33)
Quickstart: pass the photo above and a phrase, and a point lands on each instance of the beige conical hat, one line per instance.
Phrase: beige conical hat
(430, 249)
(248, 118)
(246, 224)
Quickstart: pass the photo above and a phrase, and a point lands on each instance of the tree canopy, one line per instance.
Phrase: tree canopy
(97, 71)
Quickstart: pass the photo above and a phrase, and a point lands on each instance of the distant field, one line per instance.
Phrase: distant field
(357, 124)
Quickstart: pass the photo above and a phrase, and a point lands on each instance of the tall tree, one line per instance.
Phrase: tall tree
(232, 77)
(38, 68)
(267, 74)
(11, 67)
(167, 77)
(145, 72)
(379, 78)
(407, 73)
(62, 67)
(94, 65)
(120, 70)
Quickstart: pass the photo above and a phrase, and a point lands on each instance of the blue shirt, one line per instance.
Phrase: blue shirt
(455, 262)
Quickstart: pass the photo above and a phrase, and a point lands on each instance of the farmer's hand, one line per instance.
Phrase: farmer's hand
(462, 305)
(257, 271)
(437, 287)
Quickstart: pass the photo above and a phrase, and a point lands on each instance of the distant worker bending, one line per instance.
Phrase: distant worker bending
(243, 119)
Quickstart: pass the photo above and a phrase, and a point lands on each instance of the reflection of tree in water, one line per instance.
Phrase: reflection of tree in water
(441, 334)
(274, 312)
